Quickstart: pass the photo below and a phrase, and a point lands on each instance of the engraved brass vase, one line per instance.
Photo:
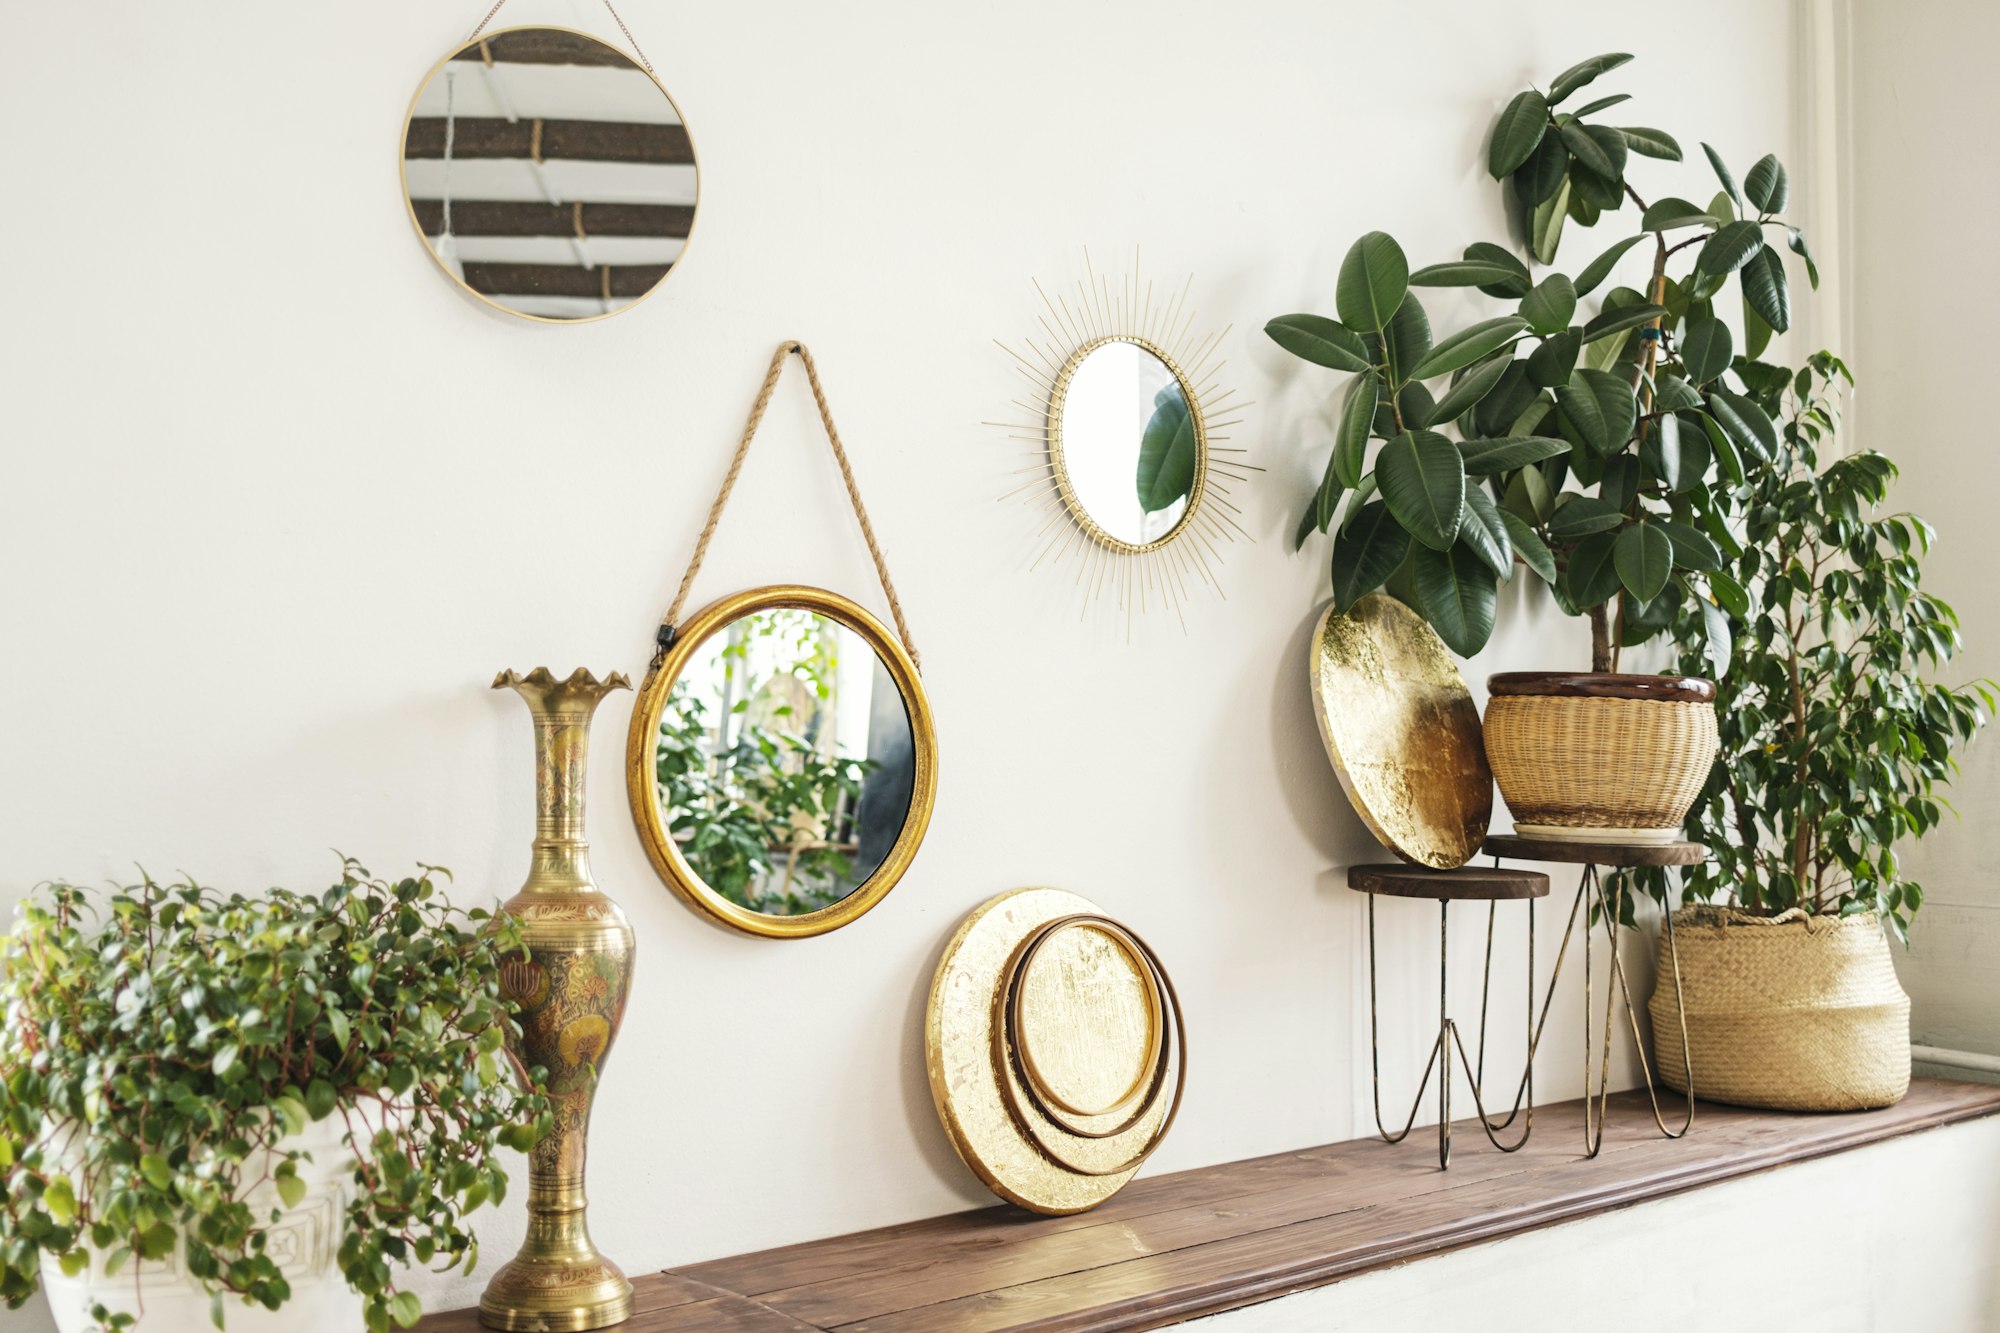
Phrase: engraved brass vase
(570, 994)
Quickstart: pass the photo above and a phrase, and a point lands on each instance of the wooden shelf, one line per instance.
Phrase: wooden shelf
(1176, 1247)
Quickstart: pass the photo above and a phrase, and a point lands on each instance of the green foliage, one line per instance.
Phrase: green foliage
(1635, 407)
(1833, 743)
(162, 1042)
(753, 803)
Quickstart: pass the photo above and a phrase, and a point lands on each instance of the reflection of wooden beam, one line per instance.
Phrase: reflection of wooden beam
(546, 46)
(577, 140)
(628, 281)
(487, 217)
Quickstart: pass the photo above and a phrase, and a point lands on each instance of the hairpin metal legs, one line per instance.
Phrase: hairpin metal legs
(1449, 1039)
(1593, 1122)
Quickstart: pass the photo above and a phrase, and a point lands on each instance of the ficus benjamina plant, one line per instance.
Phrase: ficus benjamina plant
(164, 1044)
(1581, 446)
(1834, 745)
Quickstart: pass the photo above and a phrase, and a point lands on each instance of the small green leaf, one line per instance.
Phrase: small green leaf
(1729, 249)
(1510, 288)
(1465, 393)
(1555, 360)
(59, 1198)
(1764, 185)
(1722, 174)
(1621, 320)
(1486, 458)
(1533, 552)
(1651, 143)
(405, 1309)
(1350, 439)
(1766, 291)
(1591, 578)
(1458, 594)
(1745, 422)
(1590, 150)
(1705, 348)
(1797, 241)
(321, 1099)
(1468, 345)
(1600, 406)
(1517, 133)
(1720, 645)
(1374, 278)
(1692, 548)
(1550, 305)
(1423, 482)
(1314, 338)
(1370, 547)
(1600, 268)
(1543, 174)
(1582, 73)
(158, 1173)
(1667, 214)
(1581, 516)
(1482, 531)
(1546, 227)
(1601, 104)
(291, 1190)
(1462, 273)
(225, 1058)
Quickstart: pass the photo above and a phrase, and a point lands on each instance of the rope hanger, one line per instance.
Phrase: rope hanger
(668, 632)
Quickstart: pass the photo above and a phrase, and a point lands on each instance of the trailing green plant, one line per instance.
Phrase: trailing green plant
(1482, 431)
(163, 1042)
(1834, 744)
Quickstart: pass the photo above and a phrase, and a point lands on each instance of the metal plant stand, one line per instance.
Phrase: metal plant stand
(1446, 887)
(1591, 856)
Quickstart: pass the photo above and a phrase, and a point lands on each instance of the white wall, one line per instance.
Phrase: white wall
(279, 502)
(1922, 276)
(1913, 1251)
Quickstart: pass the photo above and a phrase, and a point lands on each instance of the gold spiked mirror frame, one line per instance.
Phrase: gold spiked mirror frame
(1101, 310)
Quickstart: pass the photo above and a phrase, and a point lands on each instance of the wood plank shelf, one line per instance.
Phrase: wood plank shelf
(1176, 1247)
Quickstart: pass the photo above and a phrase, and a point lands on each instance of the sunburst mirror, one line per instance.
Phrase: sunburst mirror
(1131, 471)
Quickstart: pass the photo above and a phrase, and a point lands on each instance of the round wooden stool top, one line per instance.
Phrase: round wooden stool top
(1475, 883)
(1622, 854)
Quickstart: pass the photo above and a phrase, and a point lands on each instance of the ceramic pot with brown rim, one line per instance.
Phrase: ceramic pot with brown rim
(1600, 757)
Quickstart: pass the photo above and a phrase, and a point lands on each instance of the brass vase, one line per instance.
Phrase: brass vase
(571, 994)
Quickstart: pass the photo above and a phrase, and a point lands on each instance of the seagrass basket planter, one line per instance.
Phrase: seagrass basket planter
(1600, 757)
(1794, 1013)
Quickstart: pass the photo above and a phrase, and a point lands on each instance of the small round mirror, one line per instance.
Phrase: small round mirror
(549, 174)
(782, 761)
(1129, 447)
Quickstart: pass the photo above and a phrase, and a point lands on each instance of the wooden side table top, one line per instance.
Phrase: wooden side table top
(1620, 854)
(1467, 883)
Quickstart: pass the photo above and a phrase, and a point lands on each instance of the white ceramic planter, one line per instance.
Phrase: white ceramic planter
(304, 1242)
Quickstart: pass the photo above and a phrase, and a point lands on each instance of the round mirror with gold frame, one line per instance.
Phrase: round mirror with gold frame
(782, 761)
(1128, 415)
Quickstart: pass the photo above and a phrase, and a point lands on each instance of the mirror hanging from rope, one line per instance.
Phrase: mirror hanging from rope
(782, 759)
(1125, 413)
(549, 173)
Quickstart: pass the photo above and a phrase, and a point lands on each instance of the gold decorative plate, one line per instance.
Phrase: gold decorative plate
(1402, 731)
(1049, 1040)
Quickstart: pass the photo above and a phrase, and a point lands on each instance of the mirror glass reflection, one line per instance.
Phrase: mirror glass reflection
(549, 173)
(1130, 445)
(785, 762)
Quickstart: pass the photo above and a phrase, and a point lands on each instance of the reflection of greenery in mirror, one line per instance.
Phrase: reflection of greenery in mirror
(1167, 452)
(1129, 420)
(782, 781)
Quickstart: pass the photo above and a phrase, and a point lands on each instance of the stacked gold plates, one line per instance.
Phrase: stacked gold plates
(1055, 1049)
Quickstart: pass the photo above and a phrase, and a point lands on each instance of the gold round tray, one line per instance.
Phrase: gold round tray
(1402, 731)
(1050, 1037)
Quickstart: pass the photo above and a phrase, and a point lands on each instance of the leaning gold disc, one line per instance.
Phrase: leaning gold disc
(1402, 731)
(959, 1052)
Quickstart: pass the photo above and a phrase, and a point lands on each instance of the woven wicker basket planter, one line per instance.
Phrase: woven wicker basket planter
(1602, 757)
(1795, 1013)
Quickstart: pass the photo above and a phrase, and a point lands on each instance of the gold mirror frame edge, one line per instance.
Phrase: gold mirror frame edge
(642, 790)
(1059, 398)
(409, 205)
